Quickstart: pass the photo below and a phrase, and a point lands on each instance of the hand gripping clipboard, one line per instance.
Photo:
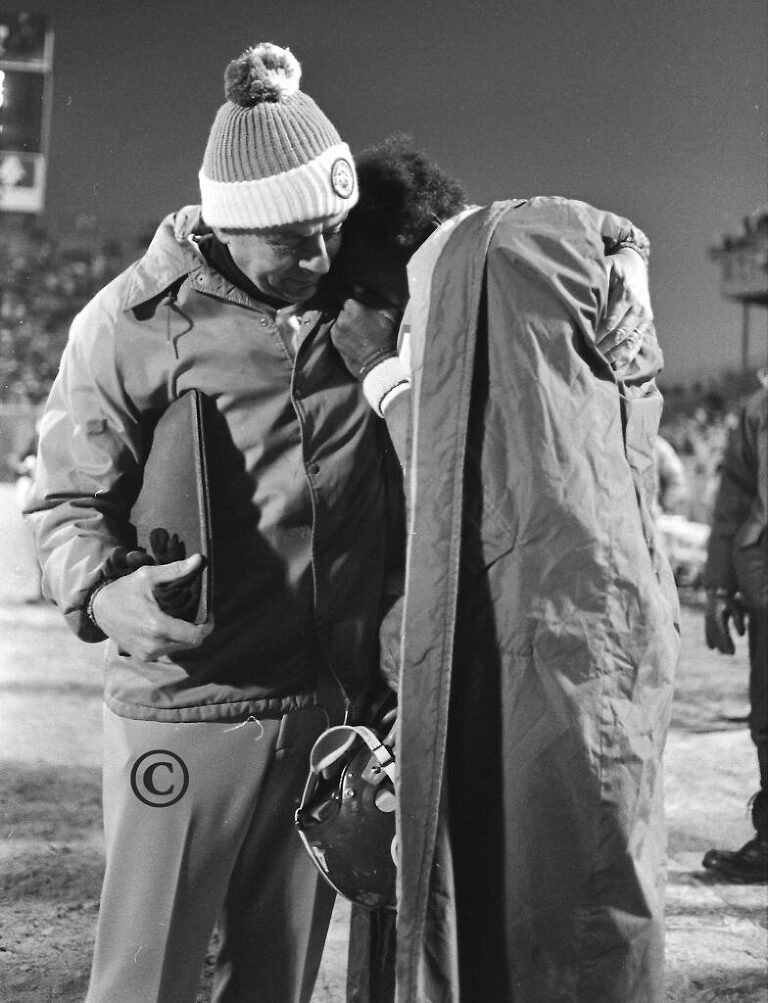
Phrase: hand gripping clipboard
(172, 512)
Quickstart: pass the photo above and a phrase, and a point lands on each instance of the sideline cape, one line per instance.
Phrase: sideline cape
(540, 633)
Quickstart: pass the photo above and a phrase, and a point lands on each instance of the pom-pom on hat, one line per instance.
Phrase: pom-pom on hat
(273, 157)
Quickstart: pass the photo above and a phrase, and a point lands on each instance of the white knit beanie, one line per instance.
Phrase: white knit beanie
(272, 157)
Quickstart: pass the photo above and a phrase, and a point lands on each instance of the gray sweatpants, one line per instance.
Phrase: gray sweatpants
(198, 823)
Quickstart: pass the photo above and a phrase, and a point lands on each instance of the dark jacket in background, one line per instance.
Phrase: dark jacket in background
(740, 513)
(737, 554)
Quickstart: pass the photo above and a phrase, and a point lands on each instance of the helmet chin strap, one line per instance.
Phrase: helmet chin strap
(330, 747)
(336, 742)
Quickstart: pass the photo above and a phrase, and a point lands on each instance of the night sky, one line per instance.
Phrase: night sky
(655, 109)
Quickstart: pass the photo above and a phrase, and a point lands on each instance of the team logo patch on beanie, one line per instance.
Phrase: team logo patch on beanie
(342, 178)
(272, 157)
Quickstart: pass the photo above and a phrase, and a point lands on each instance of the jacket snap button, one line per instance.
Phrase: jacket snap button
(313, 468)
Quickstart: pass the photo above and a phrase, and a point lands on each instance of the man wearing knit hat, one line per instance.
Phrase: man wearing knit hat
(208, 726)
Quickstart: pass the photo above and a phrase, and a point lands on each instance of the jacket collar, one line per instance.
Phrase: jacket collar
(171, 255)
(174, 254)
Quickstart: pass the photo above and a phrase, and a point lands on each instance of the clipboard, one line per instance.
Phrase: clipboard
(172, 514)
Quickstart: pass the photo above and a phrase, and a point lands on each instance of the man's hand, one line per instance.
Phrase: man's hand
(720, 609)
(127, 611)
(390, 640)
(629, 315)
(365, 334)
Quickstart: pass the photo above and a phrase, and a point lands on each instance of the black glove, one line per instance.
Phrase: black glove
(365, 333)
(721, 608)
(180, 597)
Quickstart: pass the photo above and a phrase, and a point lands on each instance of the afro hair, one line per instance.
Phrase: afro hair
(404, 197)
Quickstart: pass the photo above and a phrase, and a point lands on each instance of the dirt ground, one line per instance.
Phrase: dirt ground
(51, 847)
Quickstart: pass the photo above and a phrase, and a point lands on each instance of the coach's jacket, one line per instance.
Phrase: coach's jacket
(737, 551)
(540, 634)
(296, 473)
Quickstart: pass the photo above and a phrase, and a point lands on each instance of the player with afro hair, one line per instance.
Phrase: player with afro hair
(404, 197)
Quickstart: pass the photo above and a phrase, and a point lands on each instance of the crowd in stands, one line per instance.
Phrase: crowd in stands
(44, 282)
(698, 439)
(696, 422)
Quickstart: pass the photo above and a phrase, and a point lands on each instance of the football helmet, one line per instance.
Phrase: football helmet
(346, 818)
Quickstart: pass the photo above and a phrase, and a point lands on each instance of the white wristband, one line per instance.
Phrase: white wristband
(391, 395)
(383, 380)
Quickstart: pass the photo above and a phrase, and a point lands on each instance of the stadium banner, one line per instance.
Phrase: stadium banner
(26, 64)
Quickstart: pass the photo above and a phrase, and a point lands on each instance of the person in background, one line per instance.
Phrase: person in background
(540, 624)
(24, 468)
(208, 727)
(736, 582)
(671, 480)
